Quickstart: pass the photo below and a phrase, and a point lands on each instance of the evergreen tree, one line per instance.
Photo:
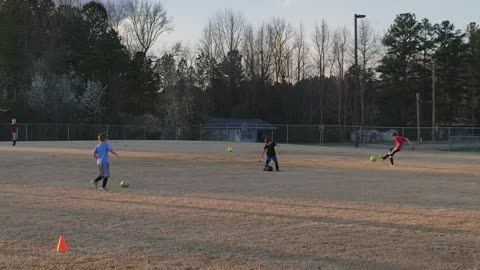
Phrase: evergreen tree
(451, 67)
(399, 71)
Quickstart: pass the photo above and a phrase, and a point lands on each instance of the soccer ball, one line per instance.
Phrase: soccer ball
(373, 158)
(230, 149)
(124, 184)
(270, 169)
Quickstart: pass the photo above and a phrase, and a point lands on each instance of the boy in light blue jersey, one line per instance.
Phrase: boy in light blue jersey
(100, 153)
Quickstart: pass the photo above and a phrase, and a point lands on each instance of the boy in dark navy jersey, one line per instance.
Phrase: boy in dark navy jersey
(271, 153)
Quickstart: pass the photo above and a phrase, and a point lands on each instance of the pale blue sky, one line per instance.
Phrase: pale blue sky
(189, 16)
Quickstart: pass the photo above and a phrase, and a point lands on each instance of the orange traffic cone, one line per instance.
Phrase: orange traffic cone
(62, 245)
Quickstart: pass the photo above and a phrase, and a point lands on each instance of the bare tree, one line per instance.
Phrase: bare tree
(369, 45)
(289, 65)
(301, 53)
(250, 61)
(207, 41)
(207, 58)
(186, 52)
(368, 48)
(340, 47)
(73, 3)
(338, 70)
(223, 33)
(129, 38)
(321, 44)
(175, 49)
(249, 54)
(117, 12)
(148, 20)
(281, 34)
(263, 47)
(229, 31)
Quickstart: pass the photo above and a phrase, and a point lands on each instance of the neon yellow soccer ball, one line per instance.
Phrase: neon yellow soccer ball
(230, 149)
(373, 158)
(124, 184)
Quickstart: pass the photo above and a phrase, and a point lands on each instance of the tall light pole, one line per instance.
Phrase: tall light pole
(355, 105)
(434, 118)
(419, 131)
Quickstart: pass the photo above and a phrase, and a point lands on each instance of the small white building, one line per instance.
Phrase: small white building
(236, 130)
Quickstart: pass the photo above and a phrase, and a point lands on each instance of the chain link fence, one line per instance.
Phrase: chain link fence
(294, 134)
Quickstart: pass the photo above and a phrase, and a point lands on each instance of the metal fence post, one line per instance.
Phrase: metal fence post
(227, 135)
(26, 132)
(287, 134)
(201, 132)
(361, 134)
(320, 133)
(107, 131)
(323, 133)
(68, 132)
(144, 133)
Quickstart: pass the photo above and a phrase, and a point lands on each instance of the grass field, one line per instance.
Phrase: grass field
(192, 205)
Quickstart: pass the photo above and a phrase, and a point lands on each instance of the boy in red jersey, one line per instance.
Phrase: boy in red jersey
(399, 142)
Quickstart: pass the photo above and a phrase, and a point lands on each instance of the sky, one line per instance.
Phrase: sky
(190, 16)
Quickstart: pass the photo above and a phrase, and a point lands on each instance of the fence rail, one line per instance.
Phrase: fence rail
(301, 134)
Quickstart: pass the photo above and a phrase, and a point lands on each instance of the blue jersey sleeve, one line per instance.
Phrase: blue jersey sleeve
(109, 148)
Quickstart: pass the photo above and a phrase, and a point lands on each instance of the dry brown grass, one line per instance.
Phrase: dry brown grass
(328, 209)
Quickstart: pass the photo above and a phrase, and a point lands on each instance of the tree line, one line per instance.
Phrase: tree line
(94, 62)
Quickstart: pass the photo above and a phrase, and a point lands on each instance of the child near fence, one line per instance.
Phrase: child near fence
(14, 131)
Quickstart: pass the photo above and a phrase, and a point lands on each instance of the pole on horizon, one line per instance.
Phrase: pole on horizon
(419, 139)
(434, 120)
(355, 95)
